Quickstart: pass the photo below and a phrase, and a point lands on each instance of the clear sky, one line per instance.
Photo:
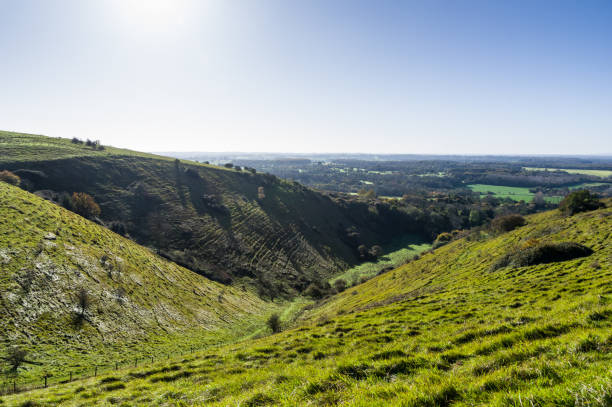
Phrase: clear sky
(377, 76)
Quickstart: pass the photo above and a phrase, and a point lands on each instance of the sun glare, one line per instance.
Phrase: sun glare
(155, 16)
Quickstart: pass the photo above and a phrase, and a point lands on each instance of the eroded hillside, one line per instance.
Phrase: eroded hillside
(74, 292)
(225, 224)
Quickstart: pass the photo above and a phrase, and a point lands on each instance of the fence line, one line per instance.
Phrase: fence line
(12, 386)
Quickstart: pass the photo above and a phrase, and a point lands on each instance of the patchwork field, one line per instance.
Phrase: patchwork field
(595, 173)
(515, 193)
(446, 329)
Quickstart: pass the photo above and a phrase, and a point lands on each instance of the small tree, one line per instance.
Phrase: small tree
(340, 285)
(15, 358)
(376, 251)
(10, 178)
(538, 199)
(228, 165)
(274, 323)
(579, 201)
(363, 250)
(474, 217)
(83, 301)
(84, 205)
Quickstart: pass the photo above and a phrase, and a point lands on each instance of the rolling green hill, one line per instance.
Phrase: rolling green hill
(138, 304)
(451, 328)
(231, 226)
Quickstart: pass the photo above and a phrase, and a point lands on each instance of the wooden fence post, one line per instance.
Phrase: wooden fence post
(14, 386)
(116, 366)
(96, 371)
(45, 382)
(70, 376)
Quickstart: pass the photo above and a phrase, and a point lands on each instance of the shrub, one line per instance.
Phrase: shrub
(542, 253)
(442, 239)
(507, 223)
(83, 301)
(118, 227)
(15, 358)
(579, 201)
(362, 250)
(10, 178)
(274, 323)
(84, 205)
(77, 140)
(376, 251)
(340, 285)
(228, 165)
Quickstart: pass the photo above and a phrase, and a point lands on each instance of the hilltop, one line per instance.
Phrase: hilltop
(74, 294)
(231, 225)
(454, 327)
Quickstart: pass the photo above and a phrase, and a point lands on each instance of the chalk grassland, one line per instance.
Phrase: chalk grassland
(515, 193)
(21, 147)
(442, 330)
(595, 173)
(141, 305)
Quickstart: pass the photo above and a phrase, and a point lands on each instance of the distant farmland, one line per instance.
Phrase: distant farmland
(514, 193)
(595, 173)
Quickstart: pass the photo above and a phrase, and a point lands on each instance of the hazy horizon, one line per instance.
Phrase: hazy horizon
(356, 77)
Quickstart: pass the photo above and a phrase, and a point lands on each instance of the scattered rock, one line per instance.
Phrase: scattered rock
(50, 236)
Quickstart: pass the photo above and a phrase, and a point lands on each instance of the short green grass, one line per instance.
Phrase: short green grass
(595, 173)
(141, 304)
(442, 330)
(515, 193)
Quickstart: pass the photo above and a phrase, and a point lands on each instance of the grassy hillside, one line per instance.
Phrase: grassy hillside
(139, 303)
(212, 220)
(446, 329)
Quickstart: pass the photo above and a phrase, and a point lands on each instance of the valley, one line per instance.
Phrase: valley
(162, 288)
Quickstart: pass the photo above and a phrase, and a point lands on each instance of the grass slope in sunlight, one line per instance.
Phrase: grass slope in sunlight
(140, 305)
(442, 330)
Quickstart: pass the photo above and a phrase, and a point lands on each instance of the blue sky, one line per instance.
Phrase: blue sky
(458, 77)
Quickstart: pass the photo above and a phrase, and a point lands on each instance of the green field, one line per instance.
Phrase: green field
(399, 252)
(515, 193)
(439, 331)
(595, 173)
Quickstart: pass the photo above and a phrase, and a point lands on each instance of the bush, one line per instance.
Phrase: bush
(579, 201)
(541, 254)
(84, 205)
(118, 227)
(376, 251)
(340, 285)
(274, 323)
(507, 223)
(10, 178)
(442, 239)
(77, 140)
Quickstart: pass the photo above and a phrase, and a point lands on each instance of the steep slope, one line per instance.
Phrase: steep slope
(446, 329)
(74, 293)
(225, 224)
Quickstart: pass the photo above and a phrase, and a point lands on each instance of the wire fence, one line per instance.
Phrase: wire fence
(12, 385)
